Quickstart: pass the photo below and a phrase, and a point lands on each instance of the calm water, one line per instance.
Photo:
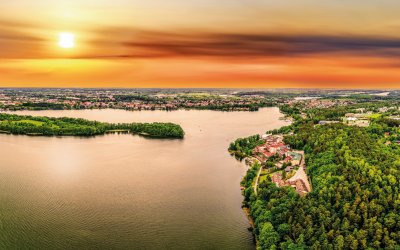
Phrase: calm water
(125, 191)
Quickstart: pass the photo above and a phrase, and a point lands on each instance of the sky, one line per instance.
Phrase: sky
(201, 43)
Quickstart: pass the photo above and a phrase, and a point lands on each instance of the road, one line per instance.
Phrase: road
(258, 174)
(257, 178)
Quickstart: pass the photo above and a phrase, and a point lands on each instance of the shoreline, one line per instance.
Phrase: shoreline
(252, 225)
(65, 126)
(140, 110)
(249, 161)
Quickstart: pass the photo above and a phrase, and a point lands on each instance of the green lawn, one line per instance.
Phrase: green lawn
(374, 116)
(263, 176)
(33, 122)
(36, 123)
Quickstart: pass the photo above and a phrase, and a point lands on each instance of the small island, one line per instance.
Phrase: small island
(64, 126)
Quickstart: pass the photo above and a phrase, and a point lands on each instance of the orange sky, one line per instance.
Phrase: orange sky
(193, 43)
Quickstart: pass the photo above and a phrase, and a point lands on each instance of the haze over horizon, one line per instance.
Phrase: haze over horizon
(193, 43)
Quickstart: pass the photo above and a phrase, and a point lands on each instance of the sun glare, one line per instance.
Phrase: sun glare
(66, 40)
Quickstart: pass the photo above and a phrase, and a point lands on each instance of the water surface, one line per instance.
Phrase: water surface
(128, 192)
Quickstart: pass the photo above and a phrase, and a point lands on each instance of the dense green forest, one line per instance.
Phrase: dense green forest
(30, 125)
(355, 202)
(43, 106)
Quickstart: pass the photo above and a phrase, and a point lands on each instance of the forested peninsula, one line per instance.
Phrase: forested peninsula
(48, 126)
(355, 176)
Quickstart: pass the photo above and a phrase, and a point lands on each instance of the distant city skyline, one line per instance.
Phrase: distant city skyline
(203, 44)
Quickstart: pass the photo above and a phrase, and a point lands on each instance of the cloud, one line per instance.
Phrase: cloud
(16, 30)
(263, 45)
(18, 41)
(130, 43)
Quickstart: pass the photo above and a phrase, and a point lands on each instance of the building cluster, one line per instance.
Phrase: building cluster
(299, 181)
(291, 161)
(273, 145)
(319, 103)
(322, 122)
(360, 120)
(352, 119)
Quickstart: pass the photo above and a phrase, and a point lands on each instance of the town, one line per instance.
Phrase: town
(296, 101)
(131, 99)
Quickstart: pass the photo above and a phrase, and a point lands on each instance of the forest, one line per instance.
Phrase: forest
(355, 202)
(355, 174)
(31, 125)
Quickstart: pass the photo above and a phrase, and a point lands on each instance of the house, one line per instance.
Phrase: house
(265, 136)
(288, 159)
(327, 122)
(299, 181)
(352, 119)
(383, 110)
(361, 110)
(279, 164)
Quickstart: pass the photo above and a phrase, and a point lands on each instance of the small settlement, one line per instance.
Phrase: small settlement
(289, 169)
(361, 120)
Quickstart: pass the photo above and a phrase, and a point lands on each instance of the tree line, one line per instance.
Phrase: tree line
(16, 124)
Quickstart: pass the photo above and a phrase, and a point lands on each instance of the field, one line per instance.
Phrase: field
(374, 116)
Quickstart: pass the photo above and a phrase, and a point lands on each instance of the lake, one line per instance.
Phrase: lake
(120, 191)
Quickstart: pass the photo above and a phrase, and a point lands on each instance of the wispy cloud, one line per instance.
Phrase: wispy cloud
(17, 41)
(163, 44)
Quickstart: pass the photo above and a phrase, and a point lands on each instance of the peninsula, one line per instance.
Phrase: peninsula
(47, 126)
(330, 180)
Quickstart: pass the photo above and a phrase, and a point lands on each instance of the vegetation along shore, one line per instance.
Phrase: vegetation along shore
(47, 126)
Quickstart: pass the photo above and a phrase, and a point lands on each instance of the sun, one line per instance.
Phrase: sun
(66, 40)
